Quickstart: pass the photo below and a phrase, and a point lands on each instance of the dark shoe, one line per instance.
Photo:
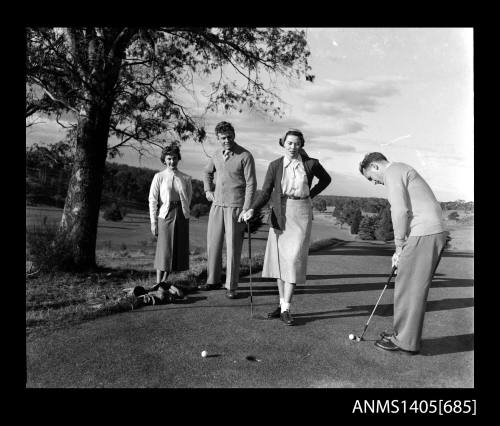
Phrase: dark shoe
(389, 346)
(206, 287)
(287, 318)
(386, 336)
(231, 294)
(274, 314)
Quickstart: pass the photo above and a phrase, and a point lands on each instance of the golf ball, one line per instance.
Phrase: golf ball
(204, 354)
(351, 336)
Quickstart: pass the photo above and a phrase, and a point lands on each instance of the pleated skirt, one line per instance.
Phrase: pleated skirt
(287, 250)
(172, 246)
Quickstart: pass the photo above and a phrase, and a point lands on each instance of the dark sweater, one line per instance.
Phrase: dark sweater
(235, 178)
(271, 189)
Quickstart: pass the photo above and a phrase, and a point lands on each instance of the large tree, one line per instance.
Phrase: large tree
(123, 82)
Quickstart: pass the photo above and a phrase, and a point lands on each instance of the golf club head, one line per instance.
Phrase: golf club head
(355, 338)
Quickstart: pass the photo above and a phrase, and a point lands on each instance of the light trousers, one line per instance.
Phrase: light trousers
(417, 264)
(223, 221)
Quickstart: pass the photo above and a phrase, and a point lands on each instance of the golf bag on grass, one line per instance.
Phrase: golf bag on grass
(158, 294)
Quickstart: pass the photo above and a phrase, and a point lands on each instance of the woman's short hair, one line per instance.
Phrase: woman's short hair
(171, 149)
(224, 127)
(293, 132)
(371, 158)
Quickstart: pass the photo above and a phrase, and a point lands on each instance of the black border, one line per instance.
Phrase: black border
(258, 404)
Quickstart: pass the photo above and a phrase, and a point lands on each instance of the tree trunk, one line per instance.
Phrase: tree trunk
(81, 209)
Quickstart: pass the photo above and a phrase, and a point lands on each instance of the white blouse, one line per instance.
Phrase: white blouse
(294, 180)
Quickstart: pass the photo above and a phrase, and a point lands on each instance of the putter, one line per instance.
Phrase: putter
(360, 338)
(250, 267)
(259, 317)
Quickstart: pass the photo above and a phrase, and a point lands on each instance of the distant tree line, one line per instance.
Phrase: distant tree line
(47, 175)
(368, 226)
(366, 204)
(467, 206)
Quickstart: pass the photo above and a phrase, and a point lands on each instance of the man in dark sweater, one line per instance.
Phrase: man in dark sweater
(235, 185)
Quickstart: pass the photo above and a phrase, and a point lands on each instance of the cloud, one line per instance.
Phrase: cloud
(332, 146)
(323, 108)
(254, 123)
(261, 134)
(338, 97)
(336, 128)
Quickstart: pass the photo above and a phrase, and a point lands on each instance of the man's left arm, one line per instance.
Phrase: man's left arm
(324, 180)
(400, 209)
(251, 181)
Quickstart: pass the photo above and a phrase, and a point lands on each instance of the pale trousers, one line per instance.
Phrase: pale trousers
(417, 264)
(224, 220)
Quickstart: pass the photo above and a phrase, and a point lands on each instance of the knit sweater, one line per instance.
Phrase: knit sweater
(414, 208)
(235, 181)
(160, 194)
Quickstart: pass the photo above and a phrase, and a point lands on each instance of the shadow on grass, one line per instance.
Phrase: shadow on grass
(163, 306)
(367, 249)
(267, 290)
(113, 227)
(356, 249)
(387, 310)
(447, 345)
(382, 310)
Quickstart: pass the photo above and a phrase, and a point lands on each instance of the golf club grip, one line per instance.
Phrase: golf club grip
(392, 274)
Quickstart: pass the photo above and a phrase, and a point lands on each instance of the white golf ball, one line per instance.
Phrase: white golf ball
(204, 354)
(351, 336)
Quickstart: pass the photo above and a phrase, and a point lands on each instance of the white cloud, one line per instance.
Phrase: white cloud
(340, 96)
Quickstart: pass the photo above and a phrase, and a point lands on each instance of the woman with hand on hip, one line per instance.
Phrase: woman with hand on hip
(288, 185)
(172, 190)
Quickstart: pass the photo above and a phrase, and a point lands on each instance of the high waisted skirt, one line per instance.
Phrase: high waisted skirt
(172, 247)
(287, 249)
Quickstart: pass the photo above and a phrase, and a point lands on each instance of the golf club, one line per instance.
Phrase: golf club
(360, 338)
(250, 267)
(252, 316)
(433, 273)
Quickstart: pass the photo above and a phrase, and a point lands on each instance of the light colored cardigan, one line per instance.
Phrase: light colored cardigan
(414, 208)
(159, 192)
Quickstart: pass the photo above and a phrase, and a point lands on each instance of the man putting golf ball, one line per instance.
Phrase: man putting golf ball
(419, 237)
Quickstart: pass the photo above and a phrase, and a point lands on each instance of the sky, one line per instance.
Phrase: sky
(405, 92)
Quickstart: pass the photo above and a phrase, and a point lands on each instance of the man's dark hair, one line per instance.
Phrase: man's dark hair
(370, 158)
(171, 149)
(224, 127)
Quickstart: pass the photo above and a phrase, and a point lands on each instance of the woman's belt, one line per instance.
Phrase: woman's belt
(291, 197)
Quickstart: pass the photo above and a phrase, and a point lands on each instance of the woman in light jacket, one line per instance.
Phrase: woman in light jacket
(171, 191)
(288, 186)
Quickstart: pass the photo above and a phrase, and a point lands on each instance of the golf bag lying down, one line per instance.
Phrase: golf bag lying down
(159, 294)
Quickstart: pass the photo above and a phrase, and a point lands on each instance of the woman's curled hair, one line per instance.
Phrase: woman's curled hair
(171, 149)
